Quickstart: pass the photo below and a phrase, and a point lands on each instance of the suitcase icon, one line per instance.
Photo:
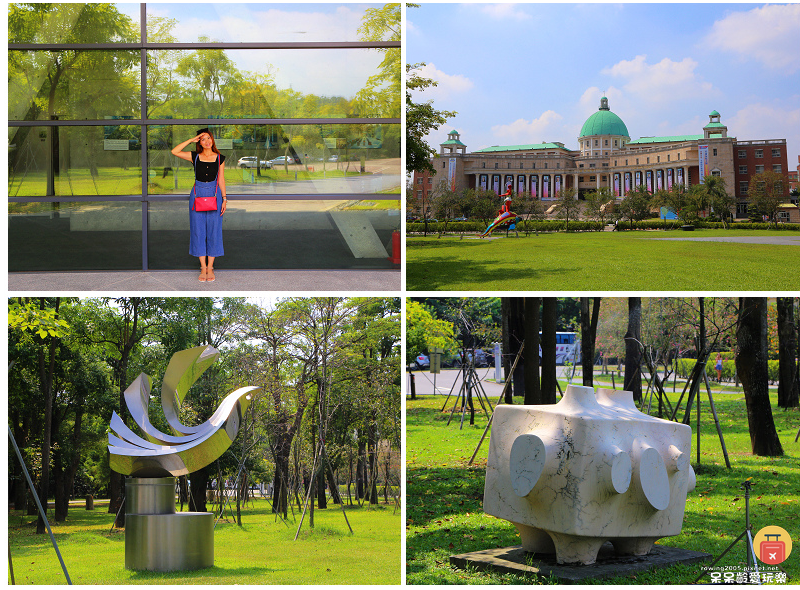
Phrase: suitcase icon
(773, 552)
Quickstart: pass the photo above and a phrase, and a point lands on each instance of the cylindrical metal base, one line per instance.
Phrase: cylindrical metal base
(150, 495)
(169, 542)
(157, 538)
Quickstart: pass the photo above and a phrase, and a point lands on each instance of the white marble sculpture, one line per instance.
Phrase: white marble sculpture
(589, 469)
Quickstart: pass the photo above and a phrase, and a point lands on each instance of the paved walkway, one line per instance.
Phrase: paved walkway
(773, 240)
(424, 382)
(227, 280)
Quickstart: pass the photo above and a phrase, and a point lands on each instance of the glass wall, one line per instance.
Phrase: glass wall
(303, 101)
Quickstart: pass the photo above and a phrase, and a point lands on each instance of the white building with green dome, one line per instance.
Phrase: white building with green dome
(606, 157)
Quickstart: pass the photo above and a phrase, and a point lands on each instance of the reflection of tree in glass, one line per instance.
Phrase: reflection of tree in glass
(64, 84)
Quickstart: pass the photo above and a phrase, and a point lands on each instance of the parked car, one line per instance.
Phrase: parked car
(460, 219)
(252, 162)
(281, 160)
(423, 361)
(333, 158)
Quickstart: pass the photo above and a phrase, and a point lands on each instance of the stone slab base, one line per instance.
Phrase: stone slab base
(514, 560)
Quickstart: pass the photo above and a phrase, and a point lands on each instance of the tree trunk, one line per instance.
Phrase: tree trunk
(588, 338)
(197, 488)
(530, 356)
(61, 503)
(20, 487)
(322, 500)
(361, 469)
(549, 324)
(372, 444)
(336, 497)
(633, 350)
(183, 490)
(513, 336)
(788, 386)
(751, 366)
(47, 363)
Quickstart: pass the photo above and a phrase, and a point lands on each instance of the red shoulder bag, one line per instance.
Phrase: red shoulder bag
(206, 203)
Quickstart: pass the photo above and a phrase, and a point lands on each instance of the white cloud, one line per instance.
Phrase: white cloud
(661, 82)
(504, 12)
(447, 85)
(764, 121)
(768, 34)
(521, 131)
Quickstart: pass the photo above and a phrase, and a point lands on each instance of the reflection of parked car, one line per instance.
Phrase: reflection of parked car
(250, 162)
(422, 361)
(333, 158)
(281, 160)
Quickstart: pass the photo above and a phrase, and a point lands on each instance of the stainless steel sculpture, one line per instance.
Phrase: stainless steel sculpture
(156, 538)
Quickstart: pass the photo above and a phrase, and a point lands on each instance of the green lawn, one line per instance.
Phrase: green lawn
(444, 495)
(128, 181)
(262, 551)
(601, 261)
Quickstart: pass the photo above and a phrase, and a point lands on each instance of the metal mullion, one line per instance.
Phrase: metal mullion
(188, 45)
(289, 197)
(143, 133)
(229, 121)
(75, 198)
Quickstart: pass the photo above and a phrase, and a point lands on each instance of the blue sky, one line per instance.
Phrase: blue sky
(328, 72)
(527, 73)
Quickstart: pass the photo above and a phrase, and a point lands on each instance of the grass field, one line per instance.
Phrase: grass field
(444, 496)
(128, 181)
(601, 261)
(262, 551)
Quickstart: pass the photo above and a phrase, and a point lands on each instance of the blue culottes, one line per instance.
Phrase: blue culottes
(205, 227)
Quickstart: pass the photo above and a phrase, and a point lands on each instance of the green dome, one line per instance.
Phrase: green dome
(604, 122)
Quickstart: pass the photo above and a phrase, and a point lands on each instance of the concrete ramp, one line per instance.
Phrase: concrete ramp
(360, 235)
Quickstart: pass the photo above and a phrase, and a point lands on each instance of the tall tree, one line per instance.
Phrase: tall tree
(588, 337)
(513, 314)
(751, 366)
(788, 382)
(633, 349)
(549, 327)
(533, 390)
(767, 192)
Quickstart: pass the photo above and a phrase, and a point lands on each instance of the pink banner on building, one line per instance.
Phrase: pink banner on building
(557, 189)
(546, 187)
(649, 186)
(521, 185)
(659, 179)
(616, 185)
(534, 186)
(669, 178)
(484, 181)
(627, 182)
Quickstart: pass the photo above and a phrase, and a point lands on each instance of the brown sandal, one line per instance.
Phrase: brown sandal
(202, 278)
(210, 275)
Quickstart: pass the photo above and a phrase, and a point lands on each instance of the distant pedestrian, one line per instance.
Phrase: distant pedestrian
(718, 367)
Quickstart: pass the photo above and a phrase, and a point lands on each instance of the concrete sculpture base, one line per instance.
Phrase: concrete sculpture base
(159, 539)
(587, 470)
(515, 560)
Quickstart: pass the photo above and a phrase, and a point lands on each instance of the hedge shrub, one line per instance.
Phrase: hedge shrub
(684, 368)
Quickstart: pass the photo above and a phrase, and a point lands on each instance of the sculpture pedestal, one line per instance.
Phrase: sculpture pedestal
(159, 539)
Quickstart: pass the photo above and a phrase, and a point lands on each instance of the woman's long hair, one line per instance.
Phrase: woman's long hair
(199, 148)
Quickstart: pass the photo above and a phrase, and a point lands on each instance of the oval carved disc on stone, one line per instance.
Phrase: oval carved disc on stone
(621, 470)
(653, 478)
(528, 456)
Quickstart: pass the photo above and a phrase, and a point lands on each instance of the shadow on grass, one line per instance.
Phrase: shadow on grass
(211, 572)
(432, 272)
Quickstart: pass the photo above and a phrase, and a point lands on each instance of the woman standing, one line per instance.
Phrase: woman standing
(205, 227)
